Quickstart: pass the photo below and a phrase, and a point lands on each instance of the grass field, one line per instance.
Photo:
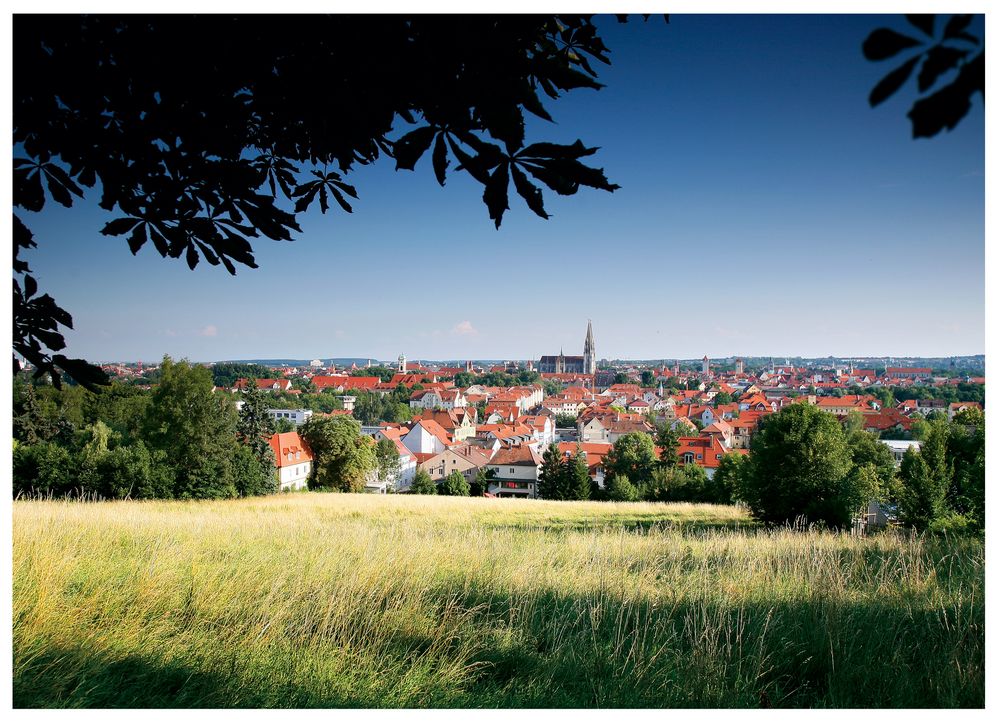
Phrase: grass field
(323, 600)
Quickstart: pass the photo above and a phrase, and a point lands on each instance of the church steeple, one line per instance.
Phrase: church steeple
(589, 351)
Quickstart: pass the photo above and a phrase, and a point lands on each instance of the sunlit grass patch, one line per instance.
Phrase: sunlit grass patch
(353, 600)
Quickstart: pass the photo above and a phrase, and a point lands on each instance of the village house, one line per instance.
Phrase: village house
(293, 460)
(515, 472)
(427, 437)
(466, 459)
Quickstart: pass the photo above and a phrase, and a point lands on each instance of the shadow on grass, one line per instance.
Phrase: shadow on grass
(544, 649)
(642, 525)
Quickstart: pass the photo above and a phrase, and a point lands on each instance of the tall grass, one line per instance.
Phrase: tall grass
(319, 600)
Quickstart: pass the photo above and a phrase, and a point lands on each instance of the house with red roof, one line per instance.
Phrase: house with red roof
(705, 451)
(515, 472)
(293, 459)
(956, 408)
(427, 437)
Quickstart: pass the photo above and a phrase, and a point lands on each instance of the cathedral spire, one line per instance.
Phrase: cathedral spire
(589, 351)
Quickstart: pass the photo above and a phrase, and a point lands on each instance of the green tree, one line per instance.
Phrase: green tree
(799, 466)
(620, 489)
(867, 451)
(668, 440)
(251, 476)
(122, 406)
(481, 484)
(343, 459)
(577, 482)
(886, 398)
(921, 497)
(728, 478)
(854, 422)
(453, 485)
(722, 398)
(131, 472)
(552, 474)
(195, 429)
(254, 428)
(387, 462)
(967, 453)
(696, 484)
(633, 456)
(30, 425)
(647, 379)
(919, 429)
(422, 483)
(565, 421)
(44, 468)
(621, 377)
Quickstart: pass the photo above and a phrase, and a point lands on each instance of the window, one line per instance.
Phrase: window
(512, 470)
(298, 455)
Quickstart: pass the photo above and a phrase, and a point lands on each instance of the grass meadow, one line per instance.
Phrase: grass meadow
(326, 600)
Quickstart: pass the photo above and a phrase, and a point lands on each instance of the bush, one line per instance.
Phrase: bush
(620, 489)
(422, 483)
(453, 485)
(44, 468)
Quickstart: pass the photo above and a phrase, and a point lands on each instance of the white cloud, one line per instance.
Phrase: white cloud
(464, 328)
(209, 331)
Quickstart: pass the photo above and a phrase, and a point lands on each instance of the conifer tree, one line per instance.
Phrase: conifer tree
(254, 429)
(576, 477)
(552, 474)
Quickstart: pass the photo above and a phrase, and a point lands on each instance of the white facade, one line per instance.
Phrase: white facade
(421, 441)
(293, 476)
(297, 416)
(514, 480)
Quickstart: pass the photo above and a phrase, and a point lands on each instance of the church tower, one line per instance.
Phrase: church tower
(589, 352)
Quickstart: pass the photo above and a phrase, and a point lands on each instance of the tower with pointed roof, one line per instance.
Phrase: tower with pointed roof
(589, 352)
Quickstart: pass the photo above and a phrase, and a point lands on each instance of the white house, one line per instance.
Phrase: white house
(427, 437)
(293, 460)
(515, 471)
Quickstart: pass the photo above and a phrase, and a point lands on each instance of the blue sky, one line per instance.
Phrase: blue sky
(765, 209)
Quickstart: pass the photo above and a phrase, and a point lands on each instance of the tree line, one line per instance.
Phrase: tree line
(180, 440)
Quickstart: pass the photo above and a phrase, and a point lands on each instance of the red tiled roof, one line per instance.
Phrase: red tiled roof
(290, 449)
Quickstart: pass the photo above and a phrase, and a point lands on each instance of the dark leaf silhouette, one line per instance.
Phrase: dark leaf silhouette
(201, 151)
(884, 43)
(528, 191)
(957, 25)
(440, 158)
(946, 107)
(924, 23)
(891, 83)
(940, 59)
(495, 194)
(23, 240)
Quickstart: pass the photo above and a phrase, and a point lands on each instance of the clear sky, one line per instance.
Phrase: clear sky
(765, 209)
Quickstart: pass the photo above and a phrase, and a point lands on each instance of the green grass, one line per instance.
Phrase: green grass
(321, 600)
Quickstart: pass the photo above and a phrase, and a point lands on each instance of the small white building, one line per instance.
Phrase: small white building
(297, 416)
(898, 447)
(293, 459)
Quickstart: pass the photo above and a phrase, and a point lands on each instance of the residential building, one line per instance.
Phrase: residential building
(293, 460)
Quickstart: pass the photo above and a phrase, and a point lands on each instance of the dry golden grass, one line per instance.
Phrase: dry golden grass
(359, 600)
